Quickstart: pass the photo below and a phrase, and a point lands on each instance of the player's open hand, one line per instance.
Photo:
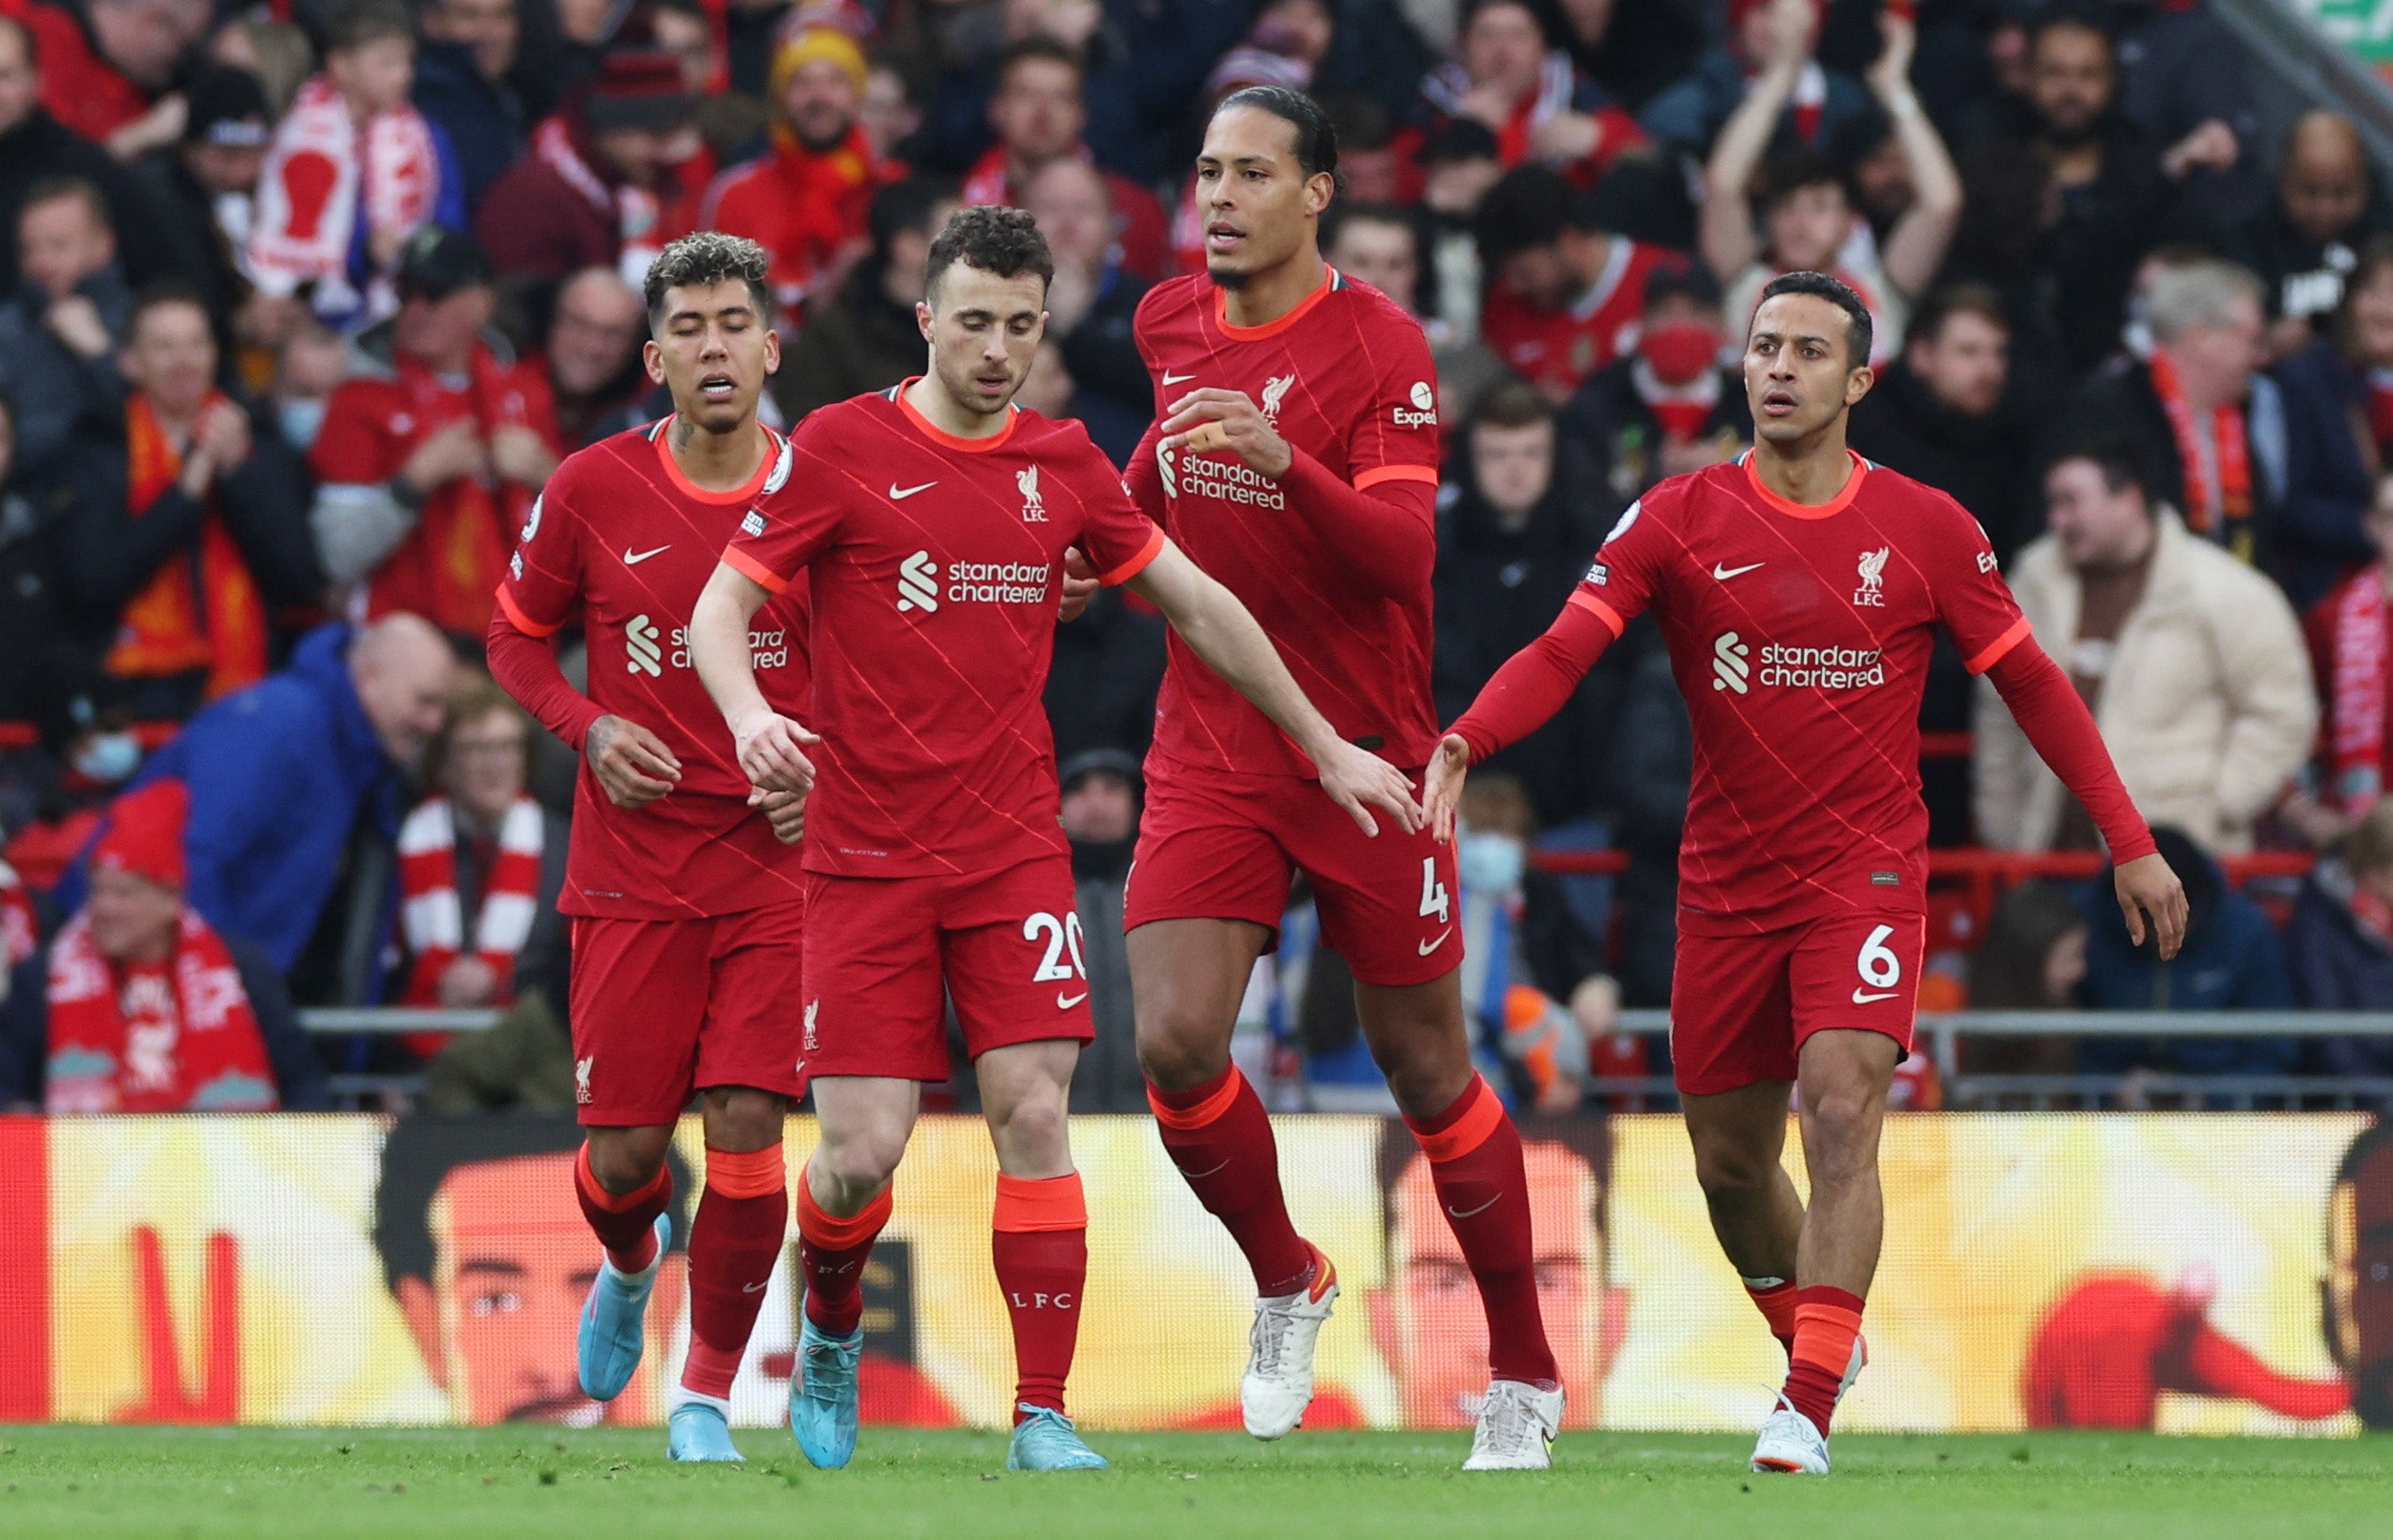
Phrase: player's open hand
(1359, 780)
(1441, 788)
(1210, 420)
(772, 753)
(784, 810)
(2146, 887)
(632, 765)
(1080, 584)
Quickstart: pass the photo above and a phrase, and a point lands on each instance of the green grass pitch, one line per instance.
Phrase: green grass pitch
(162, 1483)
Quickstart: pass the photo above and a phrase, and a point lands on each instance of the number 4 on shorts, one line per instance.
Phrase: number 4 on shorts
(1433, 900)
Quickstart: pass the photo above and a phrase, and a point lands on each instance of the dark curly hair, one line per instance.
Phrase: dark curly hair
(1859, 329)
(1001, 240)
(708, 257)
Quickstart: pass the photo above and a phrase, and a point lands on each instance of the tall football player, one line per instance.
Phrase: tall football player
(1295, 457)
(685, 906)
(1798, 589)
(934, 519)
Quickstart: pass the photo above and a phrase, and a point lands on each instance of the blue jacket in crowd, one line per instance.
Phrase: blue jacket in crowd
(2340, 964)
(2232, 961)
(278, 773)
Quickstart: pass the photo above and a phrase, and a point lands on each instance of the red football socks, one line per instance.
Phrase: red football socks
(624, 1225)
(735, 1241)
(833, 1251)
(1220, 1137)
(1040, 1249)
(1775, 1300)
(1483, 1184)
(1827, 1321)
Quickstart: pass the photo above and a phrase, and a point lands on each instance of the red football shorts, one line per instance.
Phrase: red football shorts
(665, 1008)
(884, 955)
(1741, 1006)
(1227, 847)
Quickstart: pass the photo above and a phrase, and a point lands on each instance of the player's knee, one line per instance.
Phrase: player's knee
(1728, 1170)
(858, 1166)
(743, 1117)
(1177, 1053)
(1035, 1116)
(625, 1163)
(1841, 1125)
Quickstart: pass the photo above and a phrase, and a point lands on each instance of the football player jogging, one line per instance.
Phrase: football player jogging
(1797, 588)
(934, 519)
(685, 906)
(1295, 455)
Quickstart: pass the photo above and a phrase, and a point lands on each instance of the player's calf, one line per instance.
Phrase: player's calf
(735, 1243)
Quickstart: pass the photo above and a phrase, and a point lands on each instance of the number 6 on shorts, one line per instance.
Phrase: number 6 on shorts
(1880, 968)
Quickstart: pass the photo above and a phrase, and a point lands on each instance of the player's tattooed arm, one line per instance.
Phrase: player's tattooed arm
(632, 765)
(1212, 420)
(1220, 630)
(771, 747)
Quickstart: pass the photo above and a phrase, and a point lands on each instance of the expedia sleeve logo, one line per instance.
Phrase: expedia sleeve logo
(1424, 412)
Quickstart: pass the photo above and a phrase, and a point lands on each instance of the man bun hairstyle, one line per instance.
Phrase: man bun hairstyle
(1860, 330)
(994, 239)
(708, 257)
(1316, 135)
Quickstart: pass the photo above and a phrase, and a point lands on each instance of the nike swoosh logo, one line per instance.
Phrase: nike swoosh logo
(897, 495)
(1169, 378)
(631, 560)
(1465, 1214)
(1860, 999)
(751, 1288)
(1427, 947)
(1199, 1177)
(1064, 1003)
(1724, 574)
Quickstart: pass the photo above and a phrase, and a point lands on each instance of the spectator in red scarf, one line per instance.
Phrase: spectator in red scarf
(806, 200)
(190, 524)
(481, 865)
(106, 65)
(1508, 74)
(434, 449)
(2350, 633)
(601, 186)
(1039, 113)
(139, 1005)
(2210, 426)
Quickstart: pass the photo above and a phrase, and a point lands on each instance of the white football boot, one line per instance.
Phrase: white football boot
(1279, 1382)
(1790, 1443)
(1517, 1426)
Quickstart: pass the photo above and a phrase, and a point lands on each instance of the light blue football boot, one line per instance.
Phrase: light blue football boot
(1047, 1440)
(614, 1322)
(697, 1432)
(822, 1394)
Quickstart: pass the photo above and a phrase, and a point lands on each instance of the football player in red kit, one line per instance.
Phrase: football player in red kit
(1797, 587)
(685, 904)
(934, 519)
(1295, 455)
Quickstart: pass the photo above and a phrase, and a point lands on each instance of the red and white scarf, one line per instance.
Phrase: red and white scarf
(177, 1037)
(432, 917)
(2231, 514)
(638, 214)
(324, 174)
(1449, 85)
(2364, 660)
(19, 934)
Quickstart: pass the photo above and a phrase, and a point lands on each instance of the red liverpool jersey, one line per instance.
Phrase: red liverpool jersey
(1346, 377)
(1555, 350)
(622, 542)
(937, 566)
(1800, 639)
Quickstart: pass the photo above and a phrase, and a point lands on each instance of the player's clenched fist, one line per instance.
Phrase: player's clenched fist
(1441, 788)
(772, 753)
(632, 765)
(1358, 780)
(1212, 420)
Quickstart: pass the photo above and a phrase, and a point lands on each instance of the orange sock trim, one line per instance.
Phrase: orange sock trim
(1055, 1203)
(1823, 1336)
(1777, 1306)
(587, 1180)
(1208, 1110)
(1481, 1114)
(746, 1173)
(831, 1232)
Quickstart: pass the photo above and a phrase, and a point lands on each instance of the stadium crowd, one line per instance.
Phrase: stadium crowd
(300, 305)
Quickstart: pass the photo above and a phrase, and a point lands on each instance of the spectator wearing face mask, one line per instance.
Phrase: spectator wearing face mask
(1670, 407)
(1533, 980)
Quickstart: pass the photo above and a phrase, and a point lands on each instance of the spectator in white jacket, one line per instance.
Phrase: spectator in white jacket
(2192, 664)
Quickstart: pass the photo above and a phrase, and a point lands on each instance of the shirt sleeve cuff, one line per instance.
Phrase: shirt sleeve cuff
(1136, 564)
(747, 566)
(1395, 472)
(2001, 647)
(1600, 610)
(514, 612)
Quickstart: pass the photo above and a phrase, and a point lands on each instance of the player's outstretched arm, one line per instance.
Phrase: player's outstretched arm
(1518, 698)
(771, 747)
(1218, 629)
(2053, 716)
(1441, 790)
